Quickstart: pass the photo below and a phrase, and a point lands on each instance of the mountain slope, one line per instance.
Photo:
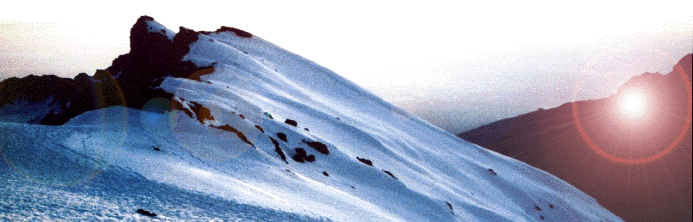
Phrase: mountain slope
(232, 117)
(656, 190)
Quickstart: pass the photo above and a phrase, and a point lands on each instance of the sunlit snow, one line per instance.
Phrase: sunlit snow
(110, 162)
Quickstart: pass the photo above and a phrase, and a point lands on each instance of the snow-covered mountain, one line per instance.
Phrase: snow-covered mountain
(226, 125)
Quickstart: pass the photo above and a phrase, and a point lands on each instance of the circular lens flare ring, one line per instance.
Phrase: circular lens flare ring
(689, 119)
(677, 140)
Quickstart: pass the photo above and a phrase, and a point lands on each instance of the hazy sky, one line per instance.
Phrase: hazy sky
(453, 63)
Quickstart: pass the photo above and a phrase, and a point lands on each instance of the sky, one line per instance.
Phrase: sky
(457, 64)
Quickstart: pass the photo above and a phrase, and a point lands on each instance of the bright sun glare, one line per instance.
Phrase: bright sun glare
(633, 104)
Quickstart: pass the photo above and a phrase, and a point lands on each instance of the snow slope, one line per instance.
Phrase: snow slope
(271, 131)
(51, 178)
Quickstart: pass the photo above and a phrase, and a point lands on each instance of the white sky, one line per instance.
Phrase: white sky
(453, 63)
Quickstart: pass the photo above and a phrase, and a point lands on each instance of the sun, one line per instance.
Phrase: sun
(633, 104)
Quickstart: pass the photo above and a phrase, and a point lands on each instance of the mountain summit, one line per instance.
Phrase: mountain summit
(225, 125)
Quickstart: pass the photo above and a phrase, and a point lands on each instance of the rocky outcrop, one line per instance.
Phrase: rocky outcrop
(132, 80)
(67, 97)
(152, 57)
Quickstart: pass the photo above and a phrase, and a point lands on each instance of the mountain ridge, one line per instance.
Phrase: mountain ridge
(549, 139)
(239, 118)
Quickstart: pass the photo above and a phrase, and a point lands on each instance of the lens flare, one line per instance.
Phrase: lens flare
(633, 104)
(643, 122)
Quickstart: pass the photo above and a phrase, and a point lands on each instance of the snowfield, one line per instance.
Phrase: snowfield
(266, 135)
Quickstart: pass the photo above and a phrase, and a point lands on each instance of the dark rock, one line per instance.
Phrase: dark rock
(325, 173)
(132, 80)
(175, 105)
(201, 72)
(68, 97)
(298, 158)
(234, 130)
(320, 147)
(300, 155)
(450, 206)
(389, 174)
(537, 208)
(146, 213)
(152, 57)
(259, 128)
(238, 32)
(282, 137)
(551, 206)
(201, 112)
(365, 161)
(279, 150)
(492, 172)
(291, 122)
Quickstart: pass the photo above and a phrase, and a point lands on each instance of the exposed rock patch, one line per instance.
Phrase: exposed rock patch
(175, 105)
(145, 213)
(203, 71)
(258, 127)
(310, 158)
(492, 172)
(234, 130)
(450, 206)
(238, 32)
(302, 156)
(320, 147)
(365, 161)
(279, 150)
(69, 97)
(282, 137)
(291, 122)
(389, 174)
(201, 112)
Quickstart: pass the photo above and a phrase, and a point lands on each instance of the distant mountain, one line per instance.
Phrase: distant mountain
(657, 190)
(208, 126)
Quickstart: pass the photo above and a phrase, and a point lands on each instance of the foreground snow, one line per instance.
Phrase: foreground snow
(115, 194)
(215, 151)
